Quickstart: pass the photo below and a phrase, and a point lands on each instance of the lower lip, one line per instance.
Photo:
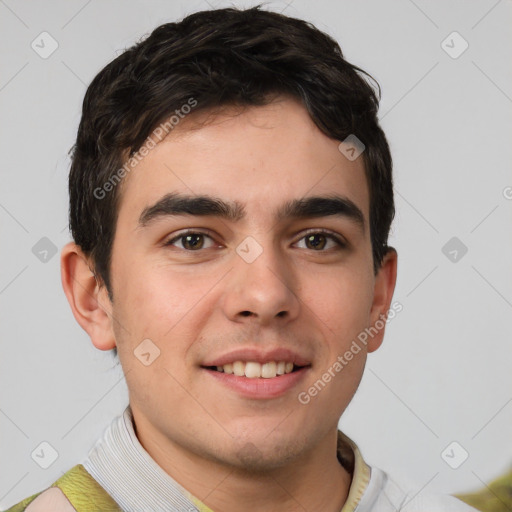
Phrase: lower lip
(259, 387)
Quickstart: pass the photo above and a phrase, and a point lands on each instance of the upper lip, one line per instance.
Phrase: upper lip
(259, 356)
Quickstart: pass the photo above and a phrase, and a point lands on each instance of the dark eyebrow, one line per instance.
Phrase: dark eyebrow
(204, 205)
(329, 206)
(181, 204)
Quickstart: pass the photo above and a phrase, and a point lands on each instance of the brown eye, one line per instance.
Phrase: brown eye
(193, 241)
(316, 241)
(320, 240)
(190, 241)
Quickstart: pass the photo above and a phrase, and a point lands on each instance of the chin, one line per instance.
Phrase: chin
(255, 461)
(263, 453)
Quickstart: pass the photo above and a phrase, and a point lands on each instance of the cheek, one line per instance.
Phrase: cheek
(341, 301)
(164, 305)
(155, 299)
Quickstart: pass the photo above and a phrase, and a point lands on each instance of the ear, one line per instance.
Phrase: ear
(89, 301)
(384, 287)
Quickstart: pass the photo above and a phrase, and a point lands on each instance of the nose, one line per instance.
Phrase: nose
(263, 291)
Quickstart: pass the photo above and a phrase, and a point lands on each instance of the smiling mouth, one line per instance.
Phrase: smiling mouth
(254, 370)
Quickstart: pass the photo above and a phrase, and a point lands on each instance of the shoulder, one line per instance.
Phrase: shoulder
(386, 495)
(75, 491)
(495, 496)
(434, 502)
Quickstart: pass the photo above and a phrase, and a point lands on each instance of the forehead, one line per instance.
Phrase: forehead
(259, 157)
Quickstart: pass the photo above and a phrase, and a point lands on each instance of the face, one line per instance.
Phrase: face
(265, 280)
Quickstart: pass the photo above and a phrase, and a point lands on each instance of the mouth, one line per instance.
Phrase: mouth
(256, 370)
(256, 373)
(259, 381)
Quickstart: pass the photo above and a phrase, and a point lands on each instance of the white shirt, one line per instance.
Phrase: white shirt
(137, 483)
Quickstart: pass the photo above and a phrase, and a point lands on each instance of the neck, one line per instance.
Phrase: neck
(294, 489)
(313, 481)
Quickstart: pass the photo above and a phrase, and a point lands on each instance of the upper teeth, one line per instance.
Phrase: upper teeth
(253, 370)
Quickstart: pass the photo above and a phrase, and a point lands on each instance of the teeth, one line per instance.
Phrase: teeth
(268, 370)
(253, 370)
(239, 368)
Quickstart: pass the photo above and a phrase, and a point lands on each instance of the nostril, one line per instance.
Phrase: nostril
(245, 313)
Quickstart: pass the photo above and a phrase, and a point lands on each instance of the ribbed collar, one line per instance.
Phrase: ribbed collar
(121, 465)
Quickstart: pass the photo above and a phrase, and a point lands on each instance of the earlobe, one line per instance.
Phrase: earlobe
(385, 282)
(88, 300)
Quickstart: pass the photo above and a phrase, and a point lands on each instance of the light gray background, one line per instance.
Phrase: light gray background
(444, 371)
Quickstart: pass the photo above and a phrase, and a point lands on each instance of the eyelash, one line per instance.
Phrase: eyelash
(328, 234)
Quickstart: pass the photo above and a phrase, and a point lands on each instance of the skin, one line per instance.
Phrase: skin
(233, 452)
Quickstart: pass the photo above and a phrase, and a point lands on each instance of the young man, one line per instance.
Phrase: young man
(230, 203)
